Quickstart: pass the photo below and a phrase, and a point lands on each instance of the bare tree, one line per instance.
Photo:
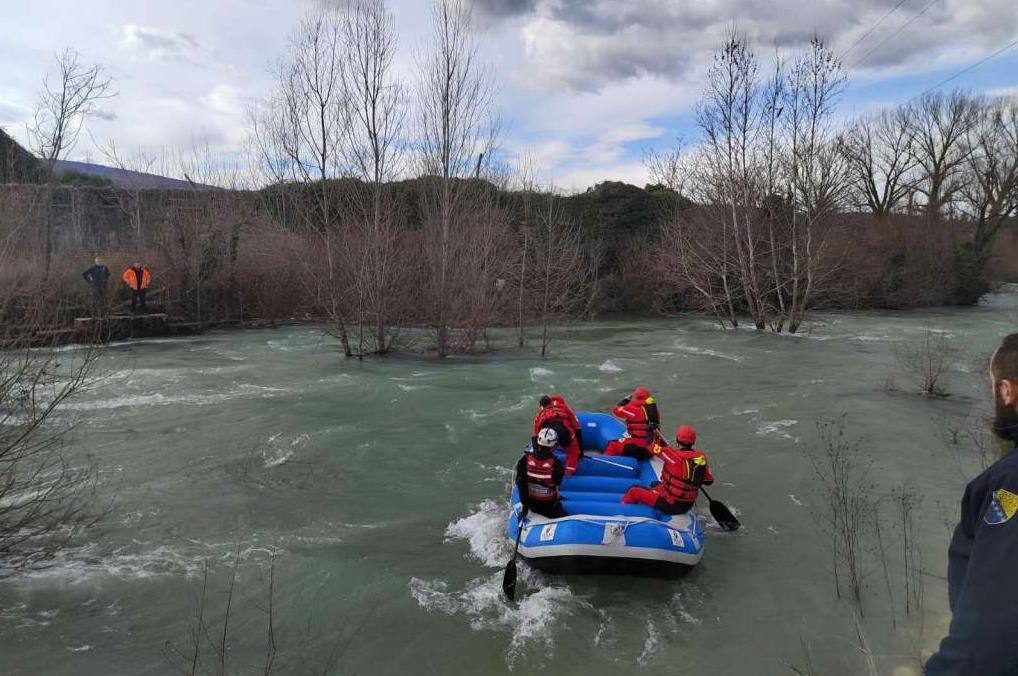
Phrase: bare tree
(927, 361)
(847, 506)
(299, 135)
(456, 132)
(47, 486)
(988, 189)
(878, 148)
(561, 268)
(816, 171)
(940, 126)
(729, 119)
(130, 189)
(66, 100)
(377, 106)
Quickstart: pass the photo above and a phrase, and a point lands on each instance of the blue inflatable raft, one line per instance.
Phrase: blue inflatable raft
(600, 534)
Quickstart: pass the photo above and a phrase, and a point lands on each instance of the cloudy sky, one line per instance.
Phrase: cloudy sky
(585, 86)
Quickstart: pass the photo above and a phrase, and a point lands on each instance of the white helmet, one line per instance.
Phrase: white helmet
(547, 437)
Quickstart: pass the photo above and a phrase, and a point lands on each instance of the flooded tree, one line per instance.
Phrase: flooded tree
(298, 135)
(927, 360)
(769, 178)
(456, 132)
(375, 254)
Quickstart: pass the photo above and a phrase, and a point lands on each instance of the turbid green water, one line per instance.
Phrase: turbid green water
(379, 487)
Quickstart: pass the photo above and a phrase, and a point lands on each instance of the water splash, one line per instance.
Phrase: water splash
(538, 373)
(609, 367)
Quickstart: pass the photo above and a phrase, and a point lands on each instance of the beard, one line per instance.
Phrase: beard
(1005, 421)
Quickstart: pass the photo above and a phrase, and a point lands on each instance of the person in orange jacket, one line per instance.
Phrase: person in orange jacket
(554, 413)
(642, 419)
(137, 277)
(685, 470)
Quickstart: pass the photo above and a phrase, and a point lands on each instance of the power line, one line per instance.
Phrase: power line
(972, 67)
(900, 29)
(872, 28)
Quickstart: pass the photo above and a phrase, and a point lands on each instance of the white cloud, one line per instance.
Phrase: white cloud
(586, 45)
(158, 43)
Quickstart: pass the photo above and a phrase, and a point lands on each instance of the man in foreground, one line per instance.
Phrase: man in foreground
(982, 573)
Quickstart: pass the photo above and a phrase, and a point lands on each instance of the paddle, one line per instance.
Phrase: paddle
(509, 579)
(721, 513)
(613, 464)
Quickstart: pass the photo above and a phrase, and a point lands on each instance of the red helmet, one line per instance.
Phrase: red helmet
(686, 434)
(641, 393)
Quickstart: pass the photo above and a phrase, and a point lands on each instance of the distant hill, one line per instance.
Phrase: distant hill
(120, 177)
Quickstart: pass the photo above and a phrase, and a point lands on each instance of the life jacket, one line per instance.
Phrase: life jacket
(683, 474)
(556, 412)
(642, 419)
(131, 278)
(540, 485)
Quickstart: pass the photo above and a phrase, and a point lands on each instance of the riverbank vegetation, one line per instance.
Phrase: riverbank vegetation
(387, 209)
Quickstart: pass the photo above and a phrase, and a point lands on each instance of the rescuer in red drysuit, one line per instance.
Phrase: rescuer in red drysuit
(538, 476)
(685, 470)
(554, 413)
(642, 419)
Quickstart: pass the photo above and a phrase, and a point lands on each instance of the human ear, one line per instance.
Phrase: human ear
(1008, 392)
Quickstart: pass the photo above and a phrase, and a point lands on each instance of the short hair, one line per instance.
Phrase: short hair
(545, 401)
(1004, 362)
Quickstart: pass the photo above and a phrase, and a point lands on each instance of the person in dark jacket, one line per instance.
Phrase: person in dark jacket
(983, 556)
(97, 277)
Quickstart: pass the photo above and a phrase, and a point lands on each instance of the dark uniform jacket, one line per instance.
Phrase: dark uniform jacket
(982, 578)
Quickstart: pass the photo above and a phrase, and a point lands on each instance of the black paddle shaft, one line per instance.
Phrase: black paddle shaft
(509, 579)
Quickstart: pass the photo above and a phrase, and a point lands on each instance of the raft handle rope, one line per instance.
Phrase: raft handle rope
(603, 521)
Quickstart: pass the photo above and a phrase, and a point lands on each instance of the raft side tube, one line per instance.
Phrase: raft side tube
(599, 429)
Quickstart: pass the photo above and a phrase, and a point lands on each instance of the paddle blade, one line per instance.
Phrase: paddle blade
(723, 516)
(509, 580)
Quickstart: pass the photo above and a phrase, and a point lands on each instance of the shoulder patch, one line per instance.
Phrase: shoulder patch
(1002, 507)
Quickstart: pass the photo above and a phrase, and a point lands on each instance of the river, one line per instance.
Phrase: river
(378, 489)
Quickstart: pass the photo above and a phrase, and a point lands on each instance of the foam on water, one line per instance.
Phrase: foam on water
(537, 373)
(277, 454)
(532, 622)
(609, 367)
(518, 405)
(707, 352)
(244, 390)
(777, 427)
(649, 644)
(77, 565)
(483, 529)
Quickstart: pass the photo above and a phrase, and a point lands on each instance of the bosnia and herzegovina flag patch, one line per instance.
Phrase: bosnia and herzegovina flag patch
(1002, 507)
